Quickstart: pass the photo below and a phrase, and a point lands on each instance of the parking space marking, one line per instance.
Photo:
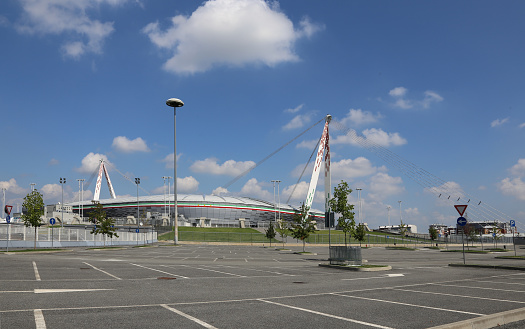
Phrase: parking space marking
(207, 269)
(153, 269)
(189, 317)
(37, 276)
(96, 268)
(453, 295)
(327, 315)
(39, 319)
(477, 287)
(257, 270)
(412, 305)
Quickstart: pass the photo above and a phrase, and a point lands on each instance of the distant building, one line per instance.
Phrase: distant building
(397, 228)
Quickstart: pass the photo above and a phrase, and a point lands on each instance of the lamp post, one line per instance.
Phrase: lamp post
(164, 178)
(32, 186)
(169, 201)
(388, 208)
(137, 182)
(62, 182)
(359, 203)
(3, 204)
(274, 201)
(81, 198)
(175, 102)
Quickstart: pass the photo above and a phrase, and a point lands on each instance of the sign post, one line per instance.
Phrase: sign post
(462, 221)
(8, 221)
(513, 228)
(52, 222)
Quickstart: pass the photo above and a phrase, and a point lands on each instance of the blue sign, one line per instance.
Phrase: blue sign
(52, 221)
(462, 221)
(512, 223)
(494, 235)
(137, 230)
(8, 219)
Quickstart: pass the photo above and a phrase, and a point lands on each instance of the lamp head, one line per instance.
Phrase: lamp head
(174, 102)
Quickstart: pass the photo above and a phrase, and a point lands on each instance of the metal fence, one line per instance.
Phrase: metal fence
(20, 236)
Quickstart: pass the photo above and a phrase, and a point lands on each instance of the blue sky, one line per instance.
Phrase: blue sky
(438, 83)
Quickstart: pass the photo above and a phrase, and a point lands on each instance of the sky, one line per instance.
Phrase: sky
(436, 83)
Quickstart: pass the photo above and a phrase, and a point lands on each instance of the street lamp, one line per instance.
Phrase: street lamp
(81, 198)
(359, 203)
(175, 102)
(62, 182)
(164, 178)
(137, 182)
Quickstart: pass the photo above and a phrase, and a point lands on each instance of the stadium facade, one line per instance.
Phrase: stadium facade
(195, 210)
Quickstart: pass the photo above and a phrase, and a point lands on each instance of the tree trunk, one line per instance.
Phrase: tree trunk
(34, 247)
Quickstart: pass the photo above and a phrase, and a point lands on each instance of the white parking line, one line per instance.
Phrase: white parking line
(37, 276)
(189, 317)
(477, 288)
(207, 269)
(152, 269)
(96, 268)
(413, 305)
(327, 315)
(39, 320)
(453, 295)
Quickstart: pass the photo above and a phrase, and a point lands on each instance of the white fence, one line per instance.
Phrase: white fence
(20, 236)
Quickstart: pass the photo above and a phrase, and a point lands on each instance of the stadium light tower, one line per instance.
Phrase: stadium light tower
(175, 102)
(62, 182)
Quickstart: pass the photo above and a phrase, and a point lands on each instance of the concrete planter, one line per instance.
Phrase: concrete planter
(345, 255)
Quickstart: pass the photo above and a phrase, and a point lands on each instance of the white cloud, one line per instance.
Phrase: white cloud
(399, 94)
(359, 117)
(307, 144)
(382, 138)
(374, 135)
(513, 187)
(229, 168)
(52, 191)
(229, 32)
(168, 160)
(518, 169)
(123, 144)
(348, 169)
(298, 121)
(69, 18)
(12, 187)
(299, 194)
(498, 122)
(91, 162)
(383, 185)
(255, 189)
(187, 184)
(295, 109)
(220, 191)
(522, 125)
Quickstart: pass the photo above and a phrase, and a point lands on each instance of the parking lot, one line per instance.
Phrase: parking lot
(194, 286)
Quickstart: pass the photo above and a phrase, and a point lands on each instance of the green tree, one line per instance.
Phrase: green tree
(403, 229)
(302, 225)
(432, 232)
(103, 224)
(360, 233)
(270, 233)
(339, 204)
(34, 206)
(283, 230)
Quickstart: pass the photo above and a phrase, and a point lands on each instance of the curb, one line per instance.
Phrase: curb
(487, 321)
(497, 267)
(359, 269)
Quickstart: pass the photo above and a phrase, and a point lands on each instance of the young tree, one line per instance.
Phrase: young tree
(360, 233)
(302, 225)
(433, 233)
(403, 229)
(103, 224)
(339, 204)
(270, 233)
(34, 205)
(282, 229)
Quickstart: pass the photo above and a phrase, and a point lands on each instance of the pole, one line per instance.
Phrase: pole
(137, 182)
(175, 221)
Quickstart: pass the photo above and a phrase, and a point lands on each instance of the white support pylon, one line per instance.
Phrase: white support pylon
(323, 146)
(103, 169)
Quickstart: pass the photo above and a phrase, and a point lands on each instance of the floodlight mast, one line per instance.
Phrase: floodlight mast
(175, 102)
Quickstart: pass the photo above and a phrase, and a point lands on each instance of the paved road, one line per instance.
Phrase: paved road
(195, 286)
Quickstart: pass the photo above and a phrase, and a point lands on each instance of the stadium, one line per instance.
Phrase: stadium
(194, 210)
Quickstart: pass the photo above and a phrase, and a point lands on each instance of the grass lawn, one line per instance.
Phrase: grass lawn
(218, 234)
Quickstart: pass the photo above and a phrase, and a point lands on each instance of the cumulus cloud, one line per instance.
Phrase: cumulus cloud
(229, 168)
(124, 144)
(348, 169)
(12, 186)
(518, 169)
(514, 186)
(220, 191)
(168, 160)
(522, 125)
(498, 122)
(401, 101)
(255, 189)
(187, 184)
(51, 191)
(359, 117)
(70, 18)
(91, 162)
(377, 136)
(229, 32)
(383, 185)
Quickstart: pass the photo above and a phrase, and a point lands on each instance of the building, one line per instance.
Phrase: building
(195, 210)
